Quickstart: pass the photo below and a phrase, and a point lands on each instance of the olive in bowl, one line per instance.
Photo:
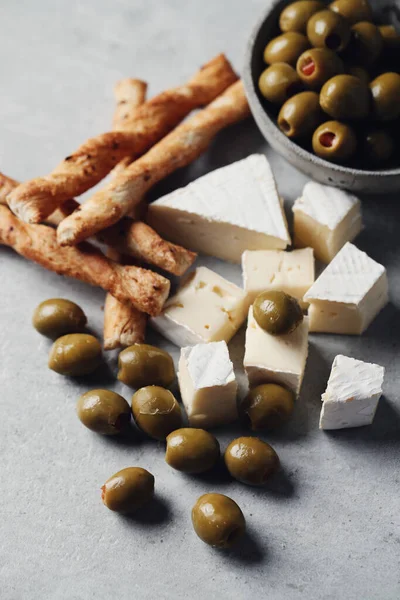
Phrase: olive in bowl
(156, 411)
(279, 82)
(56, 317)
(366, 44)
(353, 10)
(75, 354)
(334, 141)
(251, 461)
(277, 313)
(317, 65)
(286, 48)
(296, 16)
(192, 450)
(345, 97)
(142, 364)
(327, 29)
(300, 115)
(128, 490)
(378, 146)
(218, 520)
(385, 91)
(103, 411)
(267, 406)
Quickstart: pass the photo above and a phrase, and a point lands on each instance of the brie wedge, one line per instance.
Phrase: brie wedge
(266, 270)
(225, 212)
(208, 385)
(325, 218)
(348, 294)
(352, 394)
(275, 358)
(206, 308)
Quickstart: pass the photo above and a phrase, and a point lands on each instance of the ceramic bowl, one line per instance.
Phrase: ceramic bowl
(357, 180)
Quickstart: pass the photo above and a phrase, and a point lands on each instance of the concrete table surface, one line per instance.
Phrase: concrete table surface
(328, 527)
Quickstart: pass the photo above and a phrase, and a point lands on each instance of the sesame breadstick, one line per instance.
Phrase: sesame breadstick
(35, 200)
(129, 94)
(176, 150)
(147, 291)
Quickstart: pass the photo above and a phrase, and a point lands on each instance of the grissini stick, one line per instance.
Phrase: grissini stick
(134, 238)
(147, 291)
(35, 200)
(176, 150)
(129, 94)
(124, 324)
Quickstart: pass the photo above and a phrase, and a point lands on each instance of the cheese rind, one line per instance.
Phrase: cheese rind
(352, 394)
(208, 385)
(275, 358)
(206, 308)
(348, 294)
(290, 272)
(225, 212)
(325, 218)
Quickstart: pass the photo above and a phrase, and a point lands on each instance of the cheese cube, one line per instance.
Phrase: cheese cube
(348, 295)
(352, 394)
(290, 272)
(325, 218)
(225, 212)
(206, 308)
(208, 385)
(275, 358)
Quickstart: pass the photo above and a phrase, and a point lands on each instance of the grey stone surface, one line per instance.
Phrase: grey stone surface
(328, 527)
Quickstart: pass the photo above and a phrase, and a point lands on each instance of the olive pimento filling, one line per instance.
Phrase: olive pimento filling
(327, 139)
(308, 67)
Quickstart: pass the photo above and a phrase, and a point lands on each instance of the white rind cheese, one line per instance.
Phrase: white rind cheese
(290, 272)
(352, 394)
(225, 212)
(275, 358)
(208, 385)
(348, 294)
(206, 308)
(325, 218)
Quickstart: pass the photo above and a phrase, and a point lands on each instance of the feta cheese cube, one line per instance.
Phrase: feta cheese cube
(225, 212)
(348, 294)
(275, 358)
(208, 385)
(206, 308)
(325, 218)
(290, 272)
(352, 394)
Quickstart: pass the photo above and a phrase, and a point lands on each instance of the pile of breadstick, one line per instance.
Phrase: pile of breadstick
(148, 142)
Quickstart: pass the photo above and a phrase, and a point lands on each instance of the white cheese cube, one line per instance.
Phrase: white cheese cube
(225, 212)
(206, 308)
(352, 394)
(325, 218)
(290, 272)
(208, 385)
(275, 358)
(348, 295)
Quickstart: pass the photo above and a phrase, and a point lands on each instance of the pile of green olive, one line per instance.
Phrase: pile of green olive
(333, 82)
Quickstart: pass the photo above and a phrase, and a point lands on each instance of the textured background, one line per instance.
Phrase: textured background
(329, 526)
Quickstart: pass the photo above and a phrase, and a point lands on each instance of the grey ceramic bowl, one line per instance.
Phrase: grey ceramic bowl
(383, 181)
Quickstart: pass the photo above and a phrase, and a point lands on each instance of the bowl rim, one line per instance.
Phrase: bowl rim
(259, 113)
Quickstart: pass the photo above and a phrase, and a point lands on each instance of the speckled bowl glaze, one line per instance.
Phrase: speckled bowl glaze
(377, 182)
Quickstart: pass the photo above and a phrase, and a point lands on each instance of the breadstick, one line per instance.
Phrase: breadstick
(176, 150)
(147, 291)
(129, 94)
(35, 200)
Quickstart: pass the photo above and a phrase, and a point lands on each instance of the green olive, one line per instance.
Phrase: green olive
(141, 365)
(286, 48)
(277, 312)
(279, 82)
(156, 411)
(56, 317)
(360, 73)
(353, 10)
(295, 16)
(366, 44)
(334, 141)
(251, 460)
(267, 406)
(75, 354)
(218, 520)
(327, 29)
(386, 96)
(317, 65)
(345, 97)
(300, 115)
(128, 490)
(378, 146)
(390, 37)
(103, 411)
(192, 450)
